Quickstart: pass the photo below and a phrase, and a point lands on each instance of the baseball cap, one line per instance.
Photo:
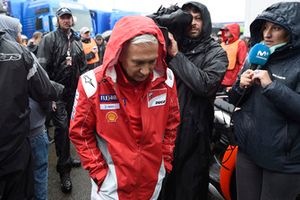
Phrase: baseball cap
(84, 30)
(24, 37)
(98, 36)
(63, 11)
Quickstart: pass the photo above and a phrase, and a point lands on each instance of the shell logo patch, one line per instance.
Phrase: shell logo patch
(111, 116)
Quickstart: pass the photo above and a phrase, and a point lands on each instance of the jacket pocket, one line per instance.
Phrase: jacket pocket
(244, 127)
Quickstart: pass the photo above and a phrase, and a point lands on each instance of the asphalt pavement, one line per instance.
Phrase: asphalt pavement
(80, 179)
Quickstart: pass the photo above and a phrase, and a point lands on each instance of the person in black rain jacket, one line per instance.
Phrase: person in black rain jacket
(199, 66)
(267, 127)
(20, 78)
(60, 53)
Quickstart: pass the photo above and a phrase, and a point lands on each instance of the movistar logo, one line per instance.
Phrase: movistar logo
(262, 55)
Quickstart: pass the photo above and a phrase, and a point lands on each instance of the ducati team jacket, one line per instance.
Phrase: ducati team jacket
(124, 165)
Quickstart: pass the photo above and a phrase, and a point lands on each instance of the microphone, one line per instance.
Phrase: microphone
(258, 56)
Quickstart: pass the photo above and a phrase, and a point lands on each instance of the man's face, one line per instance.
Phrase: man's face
(65, 21)
(227, 34)
(99, 41)
(195, 29)
(86, 35)
(138, 61)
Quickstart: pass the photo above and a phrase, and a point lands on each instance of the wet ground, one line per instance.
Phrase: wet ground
(80, 179)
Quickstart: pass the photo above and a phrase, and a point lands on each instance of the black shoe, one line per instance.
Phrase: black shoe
(75, 162)
(66, 184)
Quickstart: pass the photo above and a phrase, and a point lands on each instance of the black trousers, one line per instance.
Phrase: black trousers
(61, 120)
(16, 181)
(254, 182)
(190, 175)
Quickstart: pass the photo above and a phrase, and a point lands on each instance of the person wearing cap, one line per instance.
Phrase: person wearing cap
(124, 122)
(101, 44)
(267, 125)
(24, 40)
(60, 53)
(199, 64)
(236, 50)
(90, 48)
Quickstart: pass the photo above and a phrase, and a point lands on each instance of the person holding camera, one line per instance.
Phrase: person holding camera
(199, 64)
(60, 53)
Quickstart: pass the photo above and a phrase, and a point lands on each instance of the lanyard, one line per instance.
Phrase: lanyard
(69, 45)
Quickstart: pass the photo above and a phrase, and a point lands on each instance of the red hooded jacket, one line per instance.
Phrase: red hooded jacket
(236, 50)
(126, 165)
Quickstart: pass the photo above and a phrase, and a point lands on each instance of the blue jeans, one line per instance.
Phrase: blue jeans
(39, 146)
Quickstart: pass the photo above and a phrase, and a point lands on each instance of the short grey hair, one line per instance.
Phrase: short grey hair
(146, 38)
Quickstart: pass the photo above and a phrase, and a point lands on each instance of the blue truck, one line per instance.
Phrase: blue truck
(39, 15)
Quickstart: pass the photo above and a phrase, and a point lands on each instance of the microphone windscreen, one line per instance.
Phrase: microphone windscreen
(259, 54)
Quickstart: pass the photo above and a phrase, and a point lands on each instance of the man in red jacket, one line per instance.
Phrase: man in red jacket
(236, 50)
(126, 114)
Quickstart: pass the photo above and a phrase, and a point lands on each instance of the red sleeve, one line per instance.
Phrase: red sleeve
(171, 129)
(83, 135)
(241, 54)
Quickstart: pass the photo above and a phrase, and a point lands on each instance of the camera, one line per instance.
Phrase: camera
(173, 20)
(165, 33)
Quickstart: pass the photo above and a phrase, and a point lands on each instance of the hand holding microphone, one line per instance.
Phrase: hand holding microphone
(246, 79)
(261, 77)
(258, 56)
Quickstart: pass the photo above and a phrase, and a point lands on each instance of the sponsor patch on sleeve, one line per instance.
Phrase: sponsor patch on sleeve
(157, 97)
(89, 83)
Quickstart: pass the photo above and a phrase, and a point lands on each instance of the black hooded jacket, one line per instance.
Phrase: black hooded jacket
(199, 68)
(20, 78)
(267, 127)
(52, 53)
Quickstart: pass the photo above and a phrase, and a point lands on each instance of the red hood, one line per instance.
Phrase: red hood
(125, 29)
(234, 29)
